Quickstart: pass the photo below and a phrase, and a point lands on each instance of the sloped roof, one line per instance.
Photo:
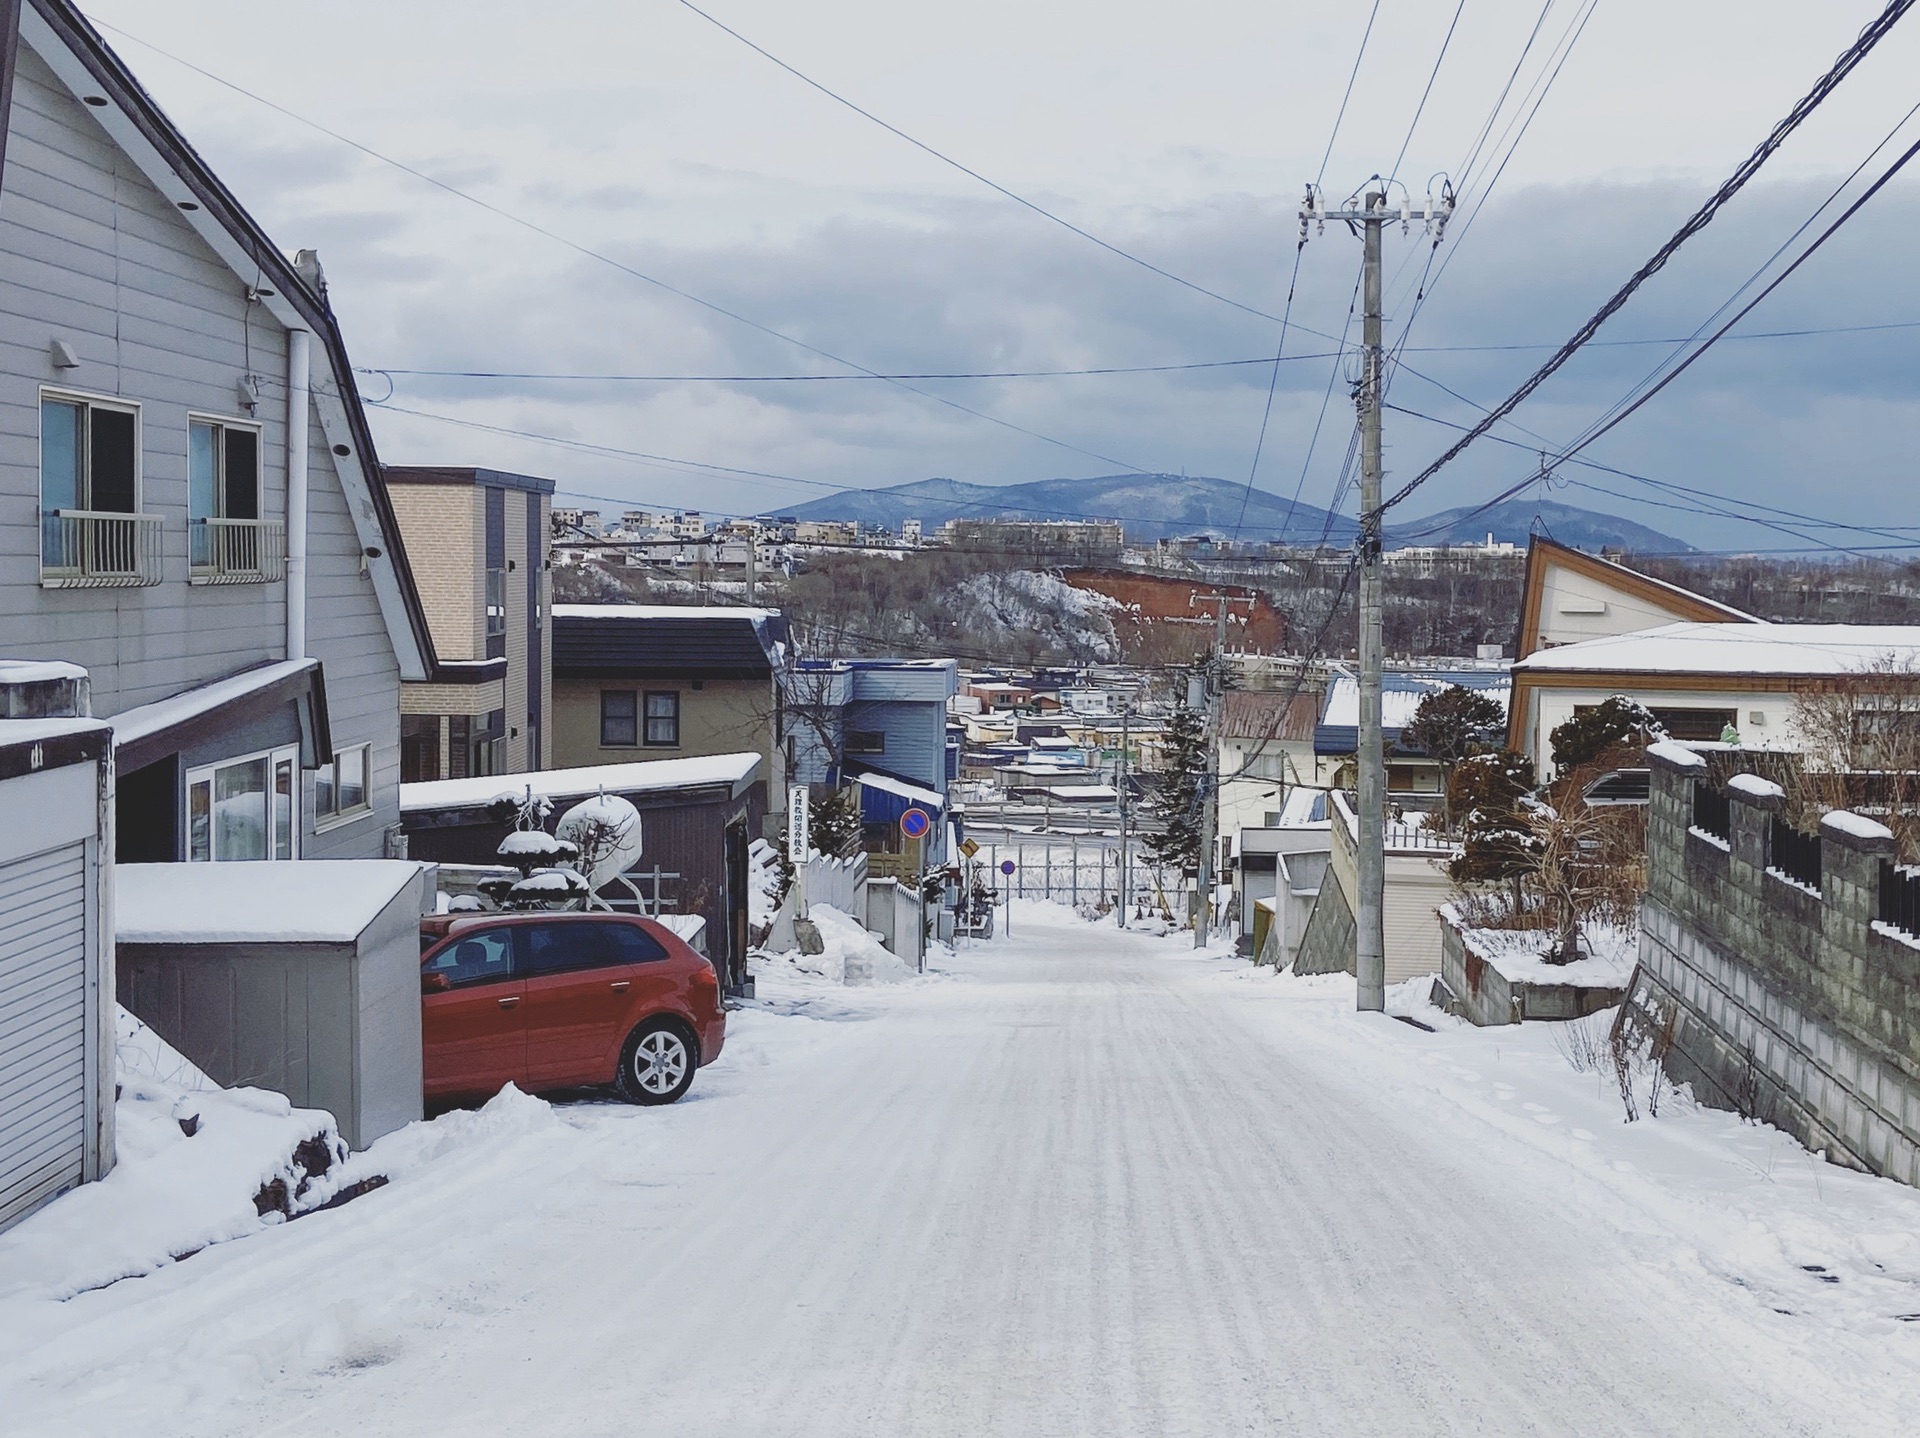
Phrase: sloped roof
(1543, 553)
(1784, 650)
(62, 37)
(663, 642)
(1283, 714)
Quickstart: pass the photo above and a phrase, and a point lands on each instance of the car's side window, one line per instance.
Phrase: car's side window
(484, 956)
(563, 948)
(631, 944)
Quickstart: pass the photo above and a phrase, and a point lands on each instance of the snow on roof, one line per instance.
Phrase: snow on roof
(1083, 792)
(901, 789)
(661, 611)
(315, 901)
(138, 723)
(38, 671)
(32, 731)
(1400, 696)
(639, 778)
(1783, 649)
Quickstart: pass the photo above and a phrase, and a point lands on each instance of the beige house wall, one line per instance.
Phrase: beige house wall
(452, 698)
(723, 716)
(446, 571)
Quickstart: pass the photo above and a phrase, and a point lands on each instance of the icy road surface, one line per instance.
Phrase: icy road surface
(1084, 1183)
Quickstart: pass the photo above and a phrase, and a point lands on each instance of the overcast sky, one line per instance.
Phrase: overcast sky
(1180, 133)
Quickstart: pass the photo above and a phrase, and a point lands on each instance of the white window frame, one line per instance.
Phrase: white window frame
(226, 421)
(337, 818)
(204, 774)
(99, 401)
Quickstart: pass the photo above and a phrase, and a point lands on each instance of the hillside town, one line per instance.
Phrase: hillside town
(484, 948)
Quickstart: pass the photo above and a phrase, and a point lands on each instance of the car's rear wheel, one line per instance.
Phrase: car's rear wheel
(657, 1063)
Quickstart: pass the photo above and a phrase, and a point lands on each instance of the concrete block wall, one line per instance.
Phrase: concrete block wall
(1788, 1004)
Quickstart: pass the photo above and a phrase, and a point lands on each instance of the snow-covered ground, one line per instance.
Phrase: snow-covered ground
(1073, 1182)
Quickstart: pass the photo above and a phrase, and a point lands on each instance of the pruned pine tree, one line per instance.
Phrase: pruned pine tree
(1498, 845)
(1176, 806)
(1450, 725)
(1610, 723)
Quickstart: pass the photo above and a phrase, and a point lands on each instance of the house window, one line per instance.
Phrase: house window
(224, 535)
(89, 478)
(488, 745)
(866, 741)
(496, 610)
(619, 718)
(340, 789)
(663, 718)
(244, 809)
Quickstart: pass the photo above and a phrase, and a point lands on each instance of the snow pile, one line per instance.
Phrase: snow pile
(400, 1155)
(852, 955)
(1030, 602)
(1608, 953)
(198, 1165)
(763, 883)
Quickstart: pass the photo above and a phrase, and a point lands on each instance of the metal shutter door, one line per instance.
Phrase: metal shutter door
(43, 1016)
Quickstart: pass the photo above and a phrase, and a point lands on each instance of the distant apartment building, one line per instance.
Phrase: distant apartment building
(909, 531)
(573, 523)
(1083, 539)
(826, 531)
(479, 541)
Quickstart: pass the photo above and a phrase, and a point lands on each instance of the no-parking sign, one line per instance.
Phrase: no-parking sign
(915, 823)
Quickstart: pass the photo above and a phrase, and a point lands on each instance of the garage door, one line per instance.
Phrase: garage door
(43, 1018)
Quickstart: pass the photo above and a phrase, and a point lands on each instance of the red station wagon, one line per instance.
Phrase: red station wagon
(564, 1000)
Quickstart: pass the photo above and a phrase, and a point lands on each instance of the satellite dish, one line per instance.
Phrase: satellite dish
(606, 830)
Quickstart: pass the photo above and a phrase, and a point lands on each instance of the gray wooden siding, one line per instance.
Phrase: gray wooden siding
(92, 253)
(95, 255)
(346, 633)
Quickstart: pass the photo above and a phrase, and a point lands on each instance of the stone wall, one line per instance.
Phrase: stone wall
(1787, 1003)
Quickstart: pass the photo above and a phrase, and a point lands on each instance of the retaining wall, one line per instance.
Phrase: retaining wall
(1787, 1002)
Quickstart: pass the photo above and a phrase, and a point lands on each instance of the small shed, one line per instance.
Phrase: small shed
(56, 864)
(302, 977)
(694, 825)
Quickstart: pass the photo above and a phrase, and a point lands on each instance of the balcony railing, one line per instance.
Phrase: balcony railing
(236, 551)
(95, 549)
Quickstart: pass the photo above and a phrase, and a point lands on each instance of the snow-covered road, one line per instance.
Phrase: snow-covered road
(1085, 1183)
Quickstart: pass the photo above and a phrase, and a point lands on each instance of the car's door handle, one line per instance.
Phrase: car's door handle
(621, 986)
(510, 1001)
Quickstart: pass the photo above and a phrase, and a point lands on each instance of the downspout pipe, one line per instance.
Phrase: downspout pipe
(299, 350)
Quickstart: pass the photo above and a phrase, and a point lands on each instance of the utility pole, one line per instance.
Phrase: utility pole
(1216, 684)
(1120, 784)
(1370, 217)
(753, 549)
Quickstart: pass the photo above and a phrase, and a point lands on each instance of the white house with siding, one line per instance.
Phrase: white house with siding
(190, 504)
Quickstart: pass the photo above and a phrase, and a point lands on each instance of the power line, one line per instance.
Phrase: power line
(1352, 75)
(601, 257)
(1699, 220)
(392, 371)
(1764, 266)
(1434, 74)
(971, 173)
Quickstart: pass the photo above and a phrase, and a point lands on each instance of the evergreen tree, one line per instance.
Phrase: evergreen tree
(1177, 804)
(1450, 725)
(834, 824)
(1587, 735)
(1490, 793)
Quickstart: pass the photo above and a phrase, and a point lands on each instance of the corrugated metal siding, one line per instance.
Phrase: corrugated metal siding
(43, 1016)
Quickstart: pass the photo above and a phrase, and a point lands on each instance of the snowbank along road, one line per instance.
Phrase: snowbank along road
(1080, 1183)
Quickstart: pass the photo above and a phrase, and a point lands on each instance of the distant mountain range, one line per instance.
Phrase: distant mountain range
(1170, 506)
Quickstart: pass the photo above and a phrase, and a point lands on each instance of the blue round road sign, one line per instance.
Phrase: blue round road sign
(1007, 866)
(915, 823)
